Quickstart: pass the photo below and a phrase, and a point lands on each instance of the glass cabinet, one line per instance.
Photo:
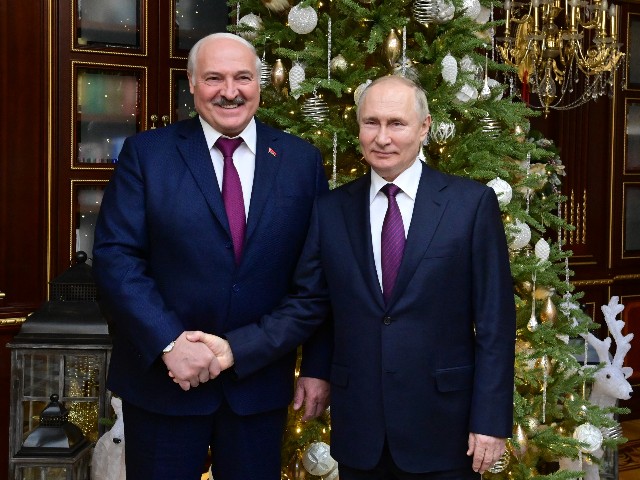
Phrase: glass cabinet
(121, 70)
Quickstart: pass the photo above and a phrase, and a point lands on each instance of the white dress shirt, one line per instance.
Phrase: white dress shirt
(244, 158)
(378, 202)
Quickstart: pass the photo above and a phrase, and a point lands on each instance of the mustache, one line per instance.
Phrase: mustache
(225, 102)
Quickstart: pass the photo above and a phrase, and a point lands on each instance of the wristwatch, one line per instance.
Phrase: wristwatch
(169, 347)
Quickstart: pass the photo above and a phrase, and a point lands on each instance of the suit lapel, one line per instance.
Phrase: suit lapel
(355, 210)
(193, 147)
(268, 155)
(427, 213)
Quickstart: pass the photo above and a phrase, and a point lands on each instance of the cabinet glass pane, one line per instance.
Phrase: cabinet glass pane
(108, 111)
(195, 19)
(632, 218)
(632, 160)
(182, 98)
(112, 23)
(633, 49)
(86, 205)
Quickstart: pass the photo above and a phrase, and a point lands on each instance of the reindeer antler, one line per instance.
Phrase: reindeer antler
(623, 342)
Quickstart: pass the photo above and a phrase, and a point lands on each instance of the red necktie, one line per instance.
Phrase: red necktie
(232, 194)
(392, 241)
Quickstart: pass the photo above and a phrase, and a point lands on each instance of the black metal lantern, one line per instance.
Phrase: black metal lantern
(59, 361)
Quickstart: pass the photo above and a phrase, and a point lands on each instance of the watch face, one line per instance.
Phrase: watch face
(169, 347)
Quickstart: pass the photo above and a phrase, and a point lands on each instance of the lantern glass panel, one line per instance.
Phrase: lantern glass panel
(42, 473)
(40, 375)
(75, 377)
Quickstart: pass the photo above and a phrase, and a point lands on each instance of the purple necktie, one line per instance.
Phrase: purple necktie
(232, 194)
(392, 241)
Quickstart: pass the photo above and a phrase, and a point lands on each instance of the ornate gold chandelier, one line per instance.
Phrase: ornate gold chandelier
(553, 57)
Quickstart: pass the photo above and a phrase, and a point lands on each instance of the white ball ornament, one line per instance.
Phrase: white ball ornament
(493, 85)
(471, 8)
(503, 190)
(359, 90)
(250, 20)
(444, 11)
(317, 459)
(467, 93)
(521, 235)
(338, 64)
(449, 69)
(590, 435)
(469, 66)
(542, 250)
(302, 20)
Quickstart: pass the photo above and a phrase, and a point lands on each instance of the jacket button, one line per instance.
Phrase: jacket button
(228, 245)
(235, 287)
(387, 320)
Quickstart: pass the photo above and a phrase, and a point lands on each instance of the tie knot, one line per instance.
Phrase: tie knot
(228, 145)
(390, 190)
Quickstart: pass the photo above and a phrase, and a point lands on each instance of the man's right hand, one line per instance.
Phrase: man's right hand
(191, 364)
(218, 346)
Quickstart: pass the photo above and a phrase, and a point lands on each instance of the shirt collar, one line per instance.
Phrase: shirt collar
(407, 181)
(249, 134)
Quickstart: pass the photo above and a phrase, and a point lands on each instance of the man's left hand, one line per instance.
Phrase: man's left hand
(314, 394)
(486, 451)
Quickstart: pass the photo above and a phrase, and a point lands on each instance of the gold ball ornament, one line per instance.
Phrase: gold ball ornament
(392, 48)
(295, 469)
(549, 312)
(519, 442)
(252, 21)
(278, 74)
(276, 5)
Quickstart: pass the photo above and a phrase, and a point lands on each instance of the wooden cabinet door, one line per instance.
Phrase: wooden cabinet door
(122, 69)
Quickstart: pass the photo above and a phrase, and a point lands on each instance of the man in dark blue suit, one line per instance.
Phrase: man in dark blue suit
(414, 264)
(194, 237)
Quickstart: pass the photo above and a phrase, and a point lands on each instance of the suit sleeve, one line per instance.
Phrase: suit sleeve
(293, 322)
(120, 263)
(495, 324)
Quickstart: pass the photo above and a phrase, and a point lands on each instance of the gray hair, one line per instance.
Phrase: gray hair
(422, 105)
(193, 53)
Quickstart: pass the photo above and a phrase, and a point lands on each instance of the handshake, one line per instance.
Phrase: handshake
(196, 358)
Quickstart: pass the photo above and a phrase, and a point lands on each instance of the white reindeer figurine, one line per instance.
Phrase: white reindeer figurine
(610, 382)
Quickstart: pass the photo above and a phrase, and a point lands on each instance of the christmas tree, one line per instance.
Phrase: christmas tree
(317, 58)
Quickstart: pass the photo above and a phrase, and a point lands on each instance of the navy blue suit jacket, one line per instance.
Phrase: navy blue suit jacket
(437, 362)
(163, 262)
